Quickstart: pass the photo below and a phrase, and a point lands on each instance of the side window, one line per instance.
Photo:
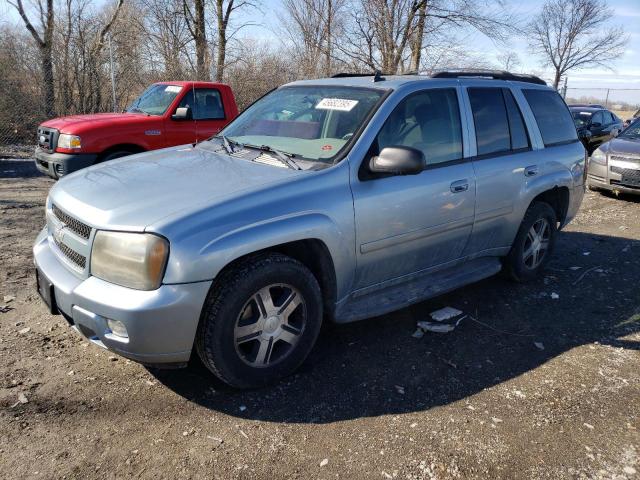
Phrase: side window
(490, 119)
(429, 121)
(552, 116)
(519, 136)
(207, 105)
(598, 117)
(610, 117)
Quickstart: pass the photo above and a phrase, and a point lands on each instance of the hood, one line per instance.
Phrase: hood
(76, 123)
(135, 191)
(623, 147)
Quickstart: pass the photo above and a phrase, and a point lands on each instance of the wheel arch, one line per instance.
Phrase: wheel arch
(129, 147)
(314, 254)
(558, 198)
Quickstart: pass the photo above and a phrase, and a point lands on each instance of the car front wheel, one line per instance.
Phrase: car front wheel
(260, 321)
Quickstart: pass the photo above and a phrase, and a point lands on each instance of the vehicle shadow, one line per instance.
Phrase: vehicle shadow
(375, 367)
(18, 168)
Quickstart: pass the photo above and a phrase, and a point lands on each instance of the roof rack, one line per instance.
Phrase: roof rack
(377, 75)
(494, 74)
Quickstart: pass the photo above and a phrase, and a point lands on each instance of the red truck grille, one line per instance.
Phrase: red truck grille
(47, 138)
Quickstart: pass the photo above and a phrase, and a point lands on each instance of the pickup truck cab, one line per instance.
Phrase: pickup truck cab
(165, 115)
(335, 199)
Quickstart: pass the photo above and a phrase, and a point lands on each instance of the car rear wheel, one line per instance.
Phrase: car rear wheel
(260, 321)
(534, 243)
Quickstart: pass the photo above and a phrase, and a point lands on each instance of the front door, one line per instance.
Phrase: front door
(406, 224)
(207, 117)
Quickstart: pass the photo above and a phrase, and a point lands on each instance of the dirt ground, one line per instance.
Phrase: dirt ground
(546, 383)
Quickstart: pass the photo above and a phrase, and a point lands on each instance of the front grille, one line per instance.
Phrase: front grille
(74, 225)
(71, 254)
(630, 176)
(47, 138)
(624, 159)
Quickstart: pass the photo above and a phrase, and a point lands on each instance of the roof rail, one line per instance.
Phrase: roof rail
(494, 74)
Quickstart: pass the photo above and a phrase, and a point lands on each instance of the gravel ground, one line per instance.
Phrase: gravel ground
(546, 383)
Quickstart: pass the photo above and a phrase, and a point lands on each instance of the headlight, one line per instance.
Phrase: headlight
(134, 260)
(598, 157)
(69, 141)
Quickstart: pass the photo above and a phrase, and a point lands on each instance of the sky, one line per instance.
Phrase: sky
(625, 72)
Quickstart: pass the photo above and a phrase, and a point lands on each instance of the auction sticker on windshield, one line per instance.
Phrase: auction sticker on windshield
(341, 104)
(173, 88)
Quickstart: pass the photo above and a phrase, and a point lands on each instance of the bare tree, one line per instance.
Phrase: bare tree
(388, 34)
(314, 27)
(44, 41)
(573, 34)
(196, 21)
(224, 9)
(168, 37)
(508, 60)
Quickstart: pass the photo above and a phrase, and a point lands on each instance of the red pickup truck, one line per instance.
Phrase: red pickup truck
(165, 115)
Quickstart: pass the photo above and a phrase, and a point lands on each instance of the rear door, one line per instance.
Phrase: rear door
(406, 224)
(503, 161)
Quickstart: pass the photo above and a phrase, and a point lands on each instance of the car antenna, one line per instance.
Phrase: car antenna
(377, 76)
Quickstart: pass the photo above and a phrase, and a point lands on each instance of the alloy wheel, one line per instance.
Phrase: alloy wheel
(536, 243)
(270, 325)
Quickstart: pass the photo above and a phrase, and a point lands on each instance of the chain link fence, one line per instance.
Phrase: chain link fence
(113, 80)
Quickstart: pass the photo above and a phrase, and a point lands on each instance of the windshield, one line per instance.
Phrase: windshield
(309, 122)
(581, 118)
(632, 132)
(155, 100)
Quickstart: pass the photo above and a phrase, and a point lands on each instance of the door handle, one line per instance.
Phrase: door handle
(459, 186)
(531, 170)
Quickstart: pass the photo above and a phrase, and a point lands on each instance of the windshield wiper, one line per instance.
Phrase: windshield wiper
(284, 157)
(229, 145)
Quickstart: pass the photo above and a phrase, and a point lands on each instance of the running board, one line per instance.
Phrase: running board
(385, 300)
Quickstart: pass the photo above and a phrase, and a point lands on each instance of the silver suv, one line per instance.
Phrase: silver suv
(336, 199)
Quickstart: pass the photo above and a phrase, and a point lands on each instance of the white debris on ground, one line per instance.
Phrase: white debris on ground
(447, 318)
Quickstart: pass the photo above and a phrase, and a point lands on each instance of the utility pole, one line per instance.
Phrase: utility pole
(113, 78)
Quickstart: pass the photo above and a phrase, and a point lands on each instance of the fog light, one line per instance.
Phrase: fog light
(117, 328)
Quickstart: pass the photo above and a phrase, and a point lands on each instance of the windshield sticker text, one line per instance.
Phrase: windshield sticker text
(341, 104)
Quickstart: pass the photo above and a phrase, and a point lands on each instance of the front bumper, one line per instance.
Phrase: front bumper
(161, 323)
(605, 177)
(58, 164)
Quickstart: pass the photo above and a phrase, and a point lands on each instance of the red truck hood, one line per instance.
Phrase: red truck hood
(74, 123)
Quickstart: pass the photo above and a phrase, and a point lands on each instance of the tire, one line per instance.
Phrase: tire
(114, 155)
(522, 264)
(248, 345)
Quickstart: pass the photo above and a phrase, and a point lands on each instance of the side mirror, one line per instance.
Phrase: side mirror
(596, 124)
(584, 134)
(398, 161)
(182, 113)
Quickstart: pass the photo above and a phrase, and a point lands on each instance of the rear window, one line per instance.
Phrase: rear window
(552, 116)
